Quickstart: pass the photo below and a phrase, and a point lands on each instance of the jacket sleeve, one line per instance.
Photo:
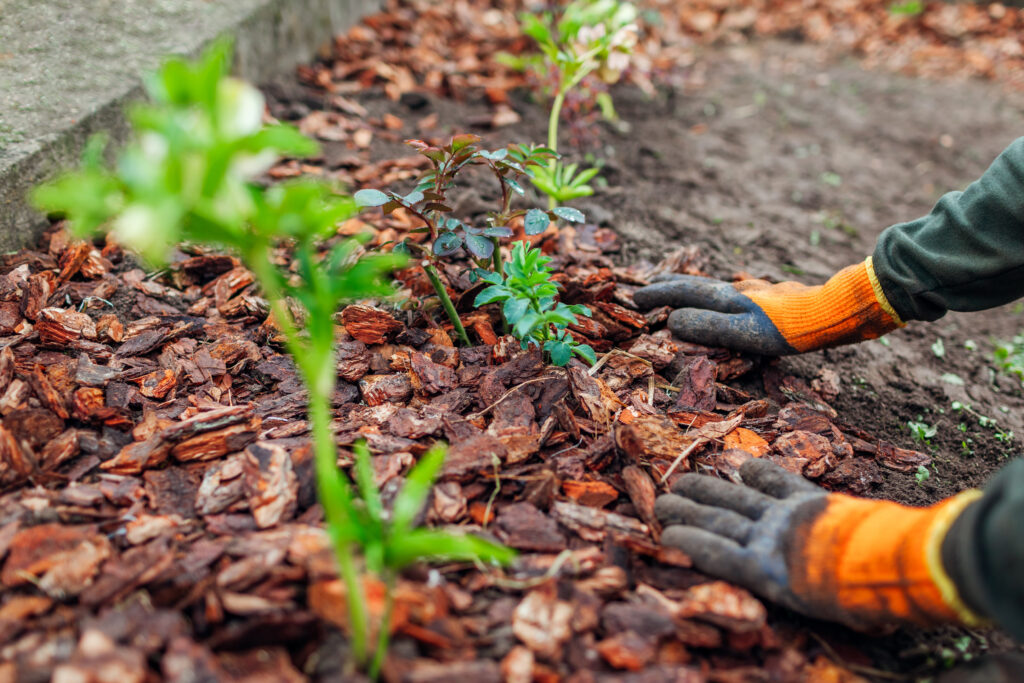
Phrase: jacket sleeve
(967, 254)
(983, 552)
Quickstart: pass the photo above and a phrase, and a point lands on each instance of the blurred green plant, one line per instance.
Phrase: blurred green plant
(910, 8)
(430, 202)
(528, 303)
(391, 542)
(1009, 356)
(588, 37)
(190, 175)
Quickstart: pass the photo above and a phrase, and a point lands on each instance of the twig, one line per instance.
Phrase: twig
(682, 456)
(473, 416)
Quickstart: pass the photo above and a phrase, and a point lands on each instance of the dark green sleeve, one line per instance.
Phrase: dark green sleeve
(967, 254)
(983, 553)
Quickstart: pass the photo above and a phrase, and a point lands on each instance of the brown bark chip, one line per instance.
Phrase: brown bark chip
(368, 324)
(270, 484)
(524, 527)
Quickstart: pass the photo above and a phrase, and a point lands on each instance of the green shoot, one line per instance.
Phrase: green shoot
(922, 431)
(589, 37)
(528, 303)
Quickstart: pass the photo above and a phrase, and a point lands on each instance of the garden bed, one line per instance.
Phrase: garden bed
(159, 518)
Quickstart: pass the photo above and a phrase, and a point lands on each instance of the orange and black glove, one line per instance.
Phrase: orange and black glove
(775, 319)
(861, 562)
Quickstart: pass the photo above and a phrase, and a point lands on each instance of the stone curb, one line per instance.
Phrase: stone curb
(68, 68)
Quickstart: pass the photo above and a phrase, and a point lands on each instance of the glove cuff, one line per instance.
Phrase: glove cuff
(850, 307)
(869, 562)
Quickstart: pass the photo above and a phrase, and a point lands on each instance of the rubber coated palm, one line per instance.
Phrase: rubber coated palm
(714, 313)
(741, 533)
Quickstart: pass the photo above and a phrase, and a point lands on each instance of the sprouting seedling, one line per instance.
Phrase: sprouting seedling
(429, 201)
(529, 306)
(190, 175)
(391, 541)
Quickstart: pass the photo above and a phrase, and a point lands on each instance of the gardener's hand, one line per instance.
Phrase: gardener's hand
(860, 562)
(778, 319)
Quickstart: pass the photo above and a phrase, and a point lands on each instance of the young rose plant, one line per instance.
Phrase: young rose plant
(189, 176)
(589, 37)
(430, 202)
(528, 303)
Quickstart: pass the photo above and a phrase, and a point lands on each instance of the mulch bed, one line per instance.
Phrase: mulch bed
(159, 519)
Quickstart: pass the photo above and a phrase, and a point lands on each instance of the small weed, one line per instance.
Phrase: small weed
(922, 431)
(922, 474)
(939, 348)
(971, 345)
(831, 179)
(1009, 356)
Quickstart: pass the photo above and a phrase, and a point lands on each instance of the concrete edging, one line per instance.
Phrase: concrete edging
(68, 68)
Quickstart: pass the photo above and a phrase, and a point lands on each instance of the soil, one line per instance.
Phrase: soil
(781, 160)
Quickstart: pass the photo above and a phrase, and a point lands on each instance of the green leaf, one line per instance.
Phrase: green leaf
(569, 214)
(460, 142)
(371, 198)
(585, 352)
(368, 490)
(478, 246)
(410, 499)
(490, 295)
(559, 351)
(447, 243)
(498, 232)
(493, 278)
(526, 324)
(424, 544)
(536, 222)
(516, 187)
(514, 309)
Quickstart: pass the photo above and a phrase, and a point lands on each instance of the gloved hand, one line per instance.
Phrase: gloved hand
(775, 320)
(857, 561)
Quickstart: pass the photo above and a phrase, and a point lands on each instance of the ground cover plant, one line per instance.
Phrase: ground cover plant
(160, 440)
(189, 177)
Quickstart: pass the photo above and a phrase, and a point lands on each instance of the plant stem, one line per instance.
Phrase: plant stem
(325, 461)
(384, 634)
(496, 262)
(446, 301)
(556, 112)
(332, 489)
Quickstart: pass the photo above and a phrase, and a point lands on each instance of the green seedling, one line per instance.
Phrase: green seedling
(589, 37)
(1009, 356)
(922, 474)
(922, 431)
(528, 303)
(190, 175)
(430, 202)
(561, 183)
(390, 542)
